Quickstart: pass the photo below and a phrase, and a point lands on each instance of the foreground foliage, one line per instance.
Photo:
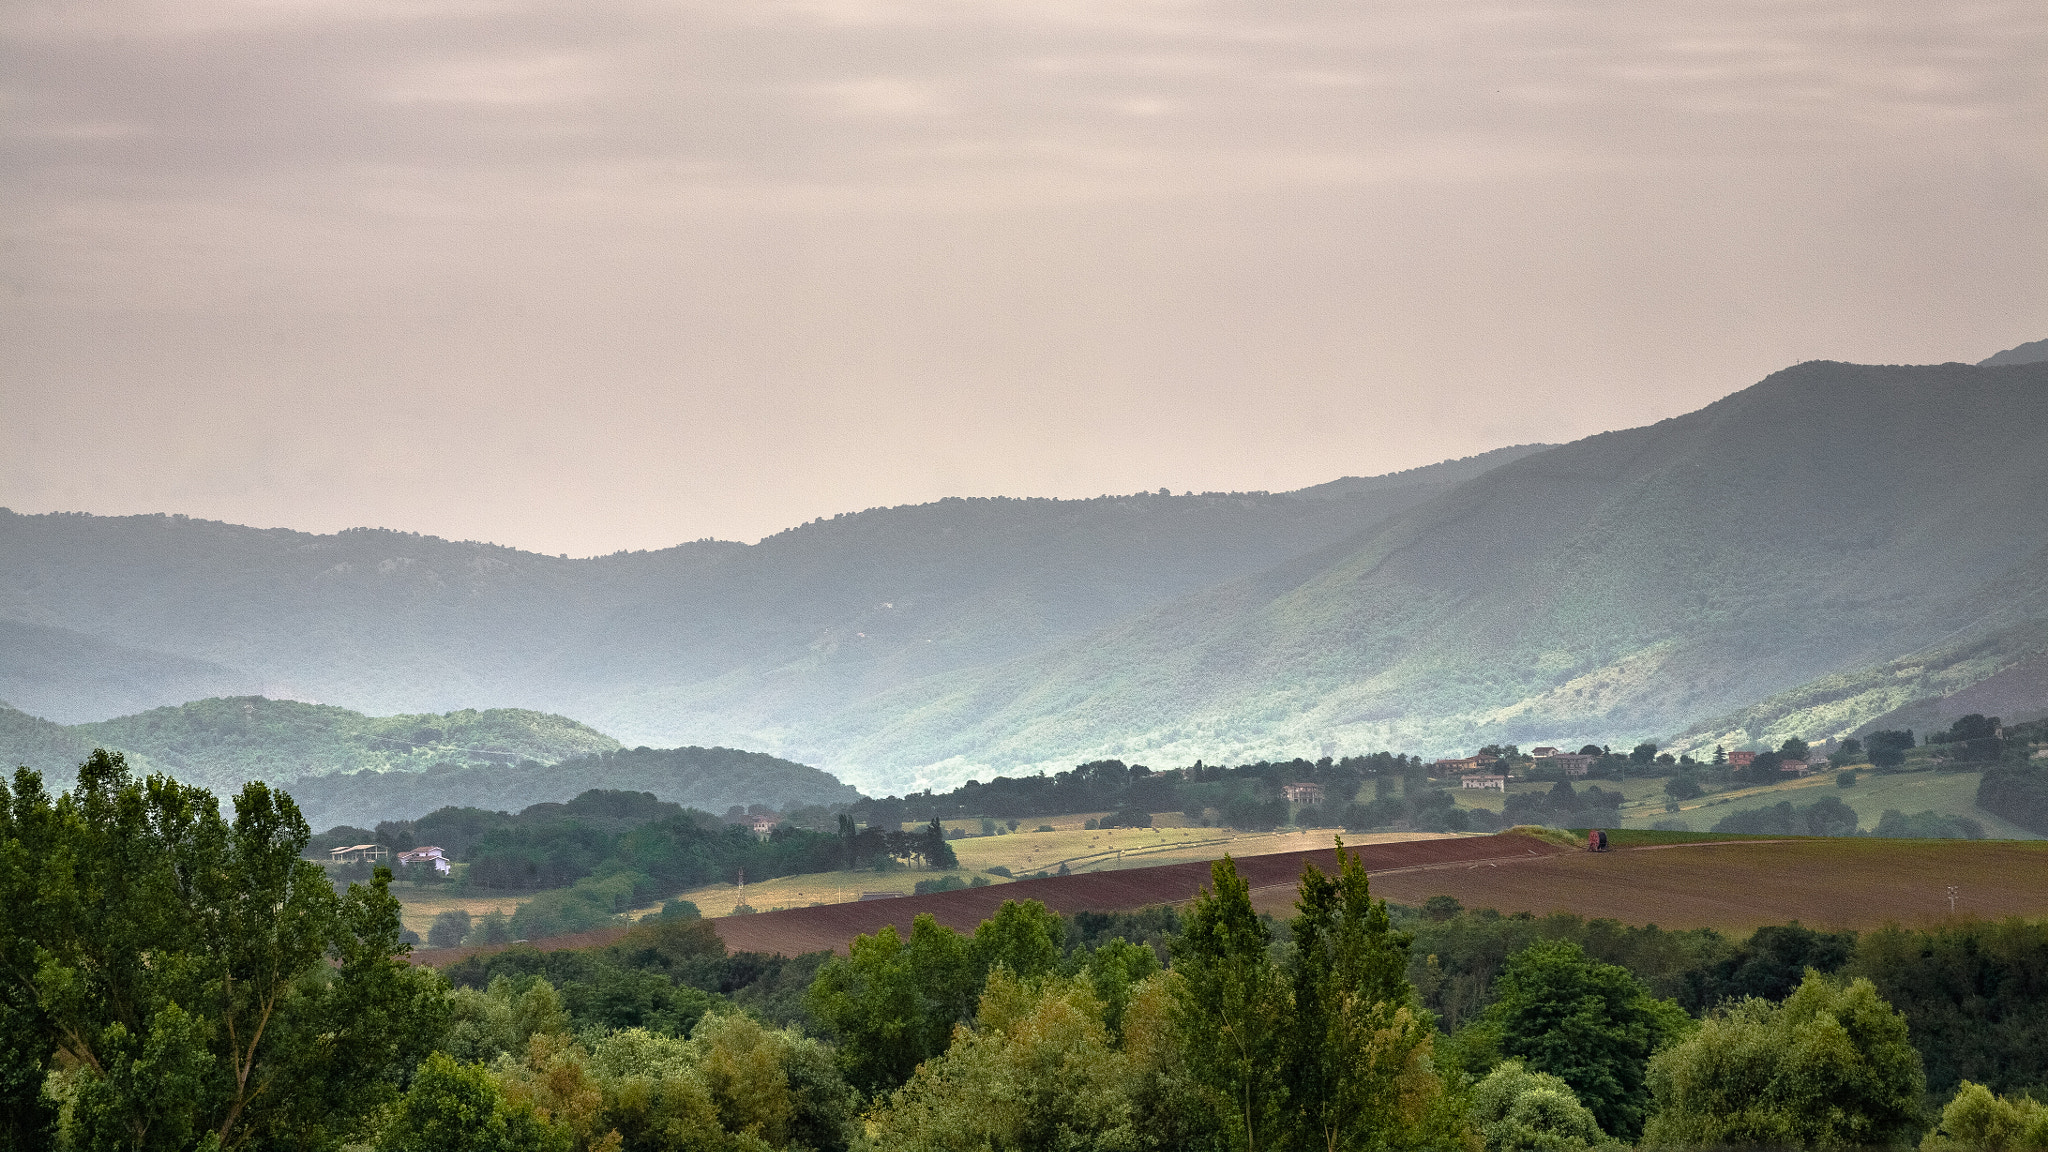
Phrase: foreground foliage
(1829, 1068)
(195, 980)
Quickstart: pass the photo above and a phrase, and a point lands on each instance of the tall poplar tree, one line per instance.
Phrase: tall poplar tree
(1231, 1009)
(1358, 1051)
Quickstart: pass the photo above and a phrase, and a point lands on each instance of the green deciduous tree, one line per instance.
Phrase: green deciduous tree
(892, 1004)
(1591, 1025)
(1830, 1068)
(455, 1107)
(1230, 1004)
(201, 980)
(1038, 1071)
(1025, 937)
(1975, 1120)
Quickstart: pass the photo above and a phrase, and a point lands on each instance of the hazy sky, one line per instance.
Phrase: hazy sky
(603, 274)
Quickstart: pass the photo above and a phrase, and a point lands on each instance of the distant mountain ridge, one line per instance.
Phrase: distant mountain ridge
(2032, 352)
(710, 643)
(1828, 519)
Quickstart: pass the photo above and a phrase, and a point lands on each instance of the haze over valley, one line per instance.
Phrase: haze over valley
(1806, 557)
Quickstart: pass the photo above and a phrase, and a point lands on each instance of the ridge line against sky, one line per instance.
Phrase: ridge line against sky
(618, 273)
(1141, 493)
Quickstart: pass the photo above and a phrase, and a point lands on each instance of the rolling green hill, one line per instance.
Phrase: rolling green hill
(221, 742)
(347, 768)
(710, 779)
(1832, 518)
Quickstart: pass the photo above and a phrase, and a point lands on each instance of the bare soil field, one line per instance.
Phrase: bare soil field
(834, 926)
(1742, 885)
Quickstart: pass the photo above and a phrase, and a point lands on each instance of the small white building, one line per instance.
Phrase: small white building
(1303, 793)
(1491, 780)
(359, 853)
(425, 854)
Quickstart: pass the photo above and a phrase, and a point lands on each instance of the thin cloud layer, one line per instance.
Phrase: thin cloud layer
(620, 273)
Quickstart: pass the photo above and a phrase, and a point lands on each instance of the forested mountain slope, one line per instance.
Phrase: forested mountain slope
(709, 642)
(1830, 518)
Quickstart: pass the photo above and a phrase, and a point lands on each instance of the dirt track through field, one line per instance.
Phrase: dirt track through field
(833, 926)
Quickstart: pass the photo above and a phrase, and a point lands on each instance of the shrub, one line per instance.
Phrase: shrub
(1927, 826)
(1516, 1110)
(448, 929)
(998, 870)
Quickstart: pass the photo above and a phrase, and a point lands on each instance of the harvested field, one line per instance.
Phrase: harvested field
(1742, 885)
(1081, 850)
(834, 926)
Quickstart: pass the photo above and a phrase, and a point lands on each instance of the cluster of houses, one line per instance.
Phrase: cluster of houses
(375, 853)
(1482, 770)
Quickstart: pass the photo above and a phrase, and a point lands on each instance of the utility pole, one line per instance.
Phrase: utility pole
(1951, 899)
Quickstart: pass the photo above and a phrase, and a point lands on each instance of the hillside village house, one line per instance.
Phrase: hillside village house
(1491, 780)
(1303, 793)
(1545, 752)
(1458, 767)
(426, 854)
(1572, 763)
(359, 853)
(763, 826)
(1741, 759)
(1794, 767)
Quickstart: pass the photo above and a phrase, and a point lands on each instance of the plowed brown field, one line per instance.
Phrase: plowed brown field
(834, 925)
(1741, 885)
